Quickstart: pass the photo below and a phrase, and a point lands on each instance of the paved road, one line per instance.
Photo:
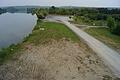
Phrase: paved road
(109, 56)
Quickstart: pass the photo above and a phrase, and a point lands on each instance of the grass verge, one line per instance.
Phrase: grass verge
(42, 33)
(45, 31)
(104, 35)
(7, 53)
(86, 21)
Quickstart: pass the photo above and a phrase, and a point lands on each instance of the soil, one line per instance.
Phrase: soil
(56, 60)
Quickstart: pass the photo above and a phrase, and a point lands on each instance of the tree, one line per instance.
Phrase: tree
(52, 10)
(41, 13)
(53, 7)
(111, 23)
(117, 29)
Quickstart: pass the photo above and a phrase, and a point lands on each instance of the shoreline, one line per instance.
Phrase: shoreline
(8, 52)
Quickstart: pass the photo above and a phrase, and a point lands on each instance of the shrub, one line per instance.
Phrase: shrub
(111, 23)
(117, 29)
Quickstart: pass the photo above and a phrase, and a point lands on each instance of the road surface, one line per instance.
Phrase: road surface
(109, 56)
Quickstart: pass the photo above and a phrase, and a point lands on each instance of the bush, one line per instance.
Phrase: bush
(111, 23)
(117, 29)
(41, 13)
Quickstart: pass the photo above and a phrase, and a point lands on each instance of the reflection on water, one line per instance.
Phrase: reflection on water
(14, 27)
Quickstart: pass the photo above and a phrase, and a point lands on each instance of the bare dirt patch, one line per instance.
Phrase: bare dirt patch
(57, 60)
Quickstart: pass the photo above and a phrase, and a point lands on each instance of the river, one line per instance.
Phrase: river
(14, 27)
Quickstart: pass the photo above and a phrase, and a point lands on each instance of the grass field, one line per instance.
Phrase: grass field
(45, 31)
(104, 35)
(87, 21)
(41, 34)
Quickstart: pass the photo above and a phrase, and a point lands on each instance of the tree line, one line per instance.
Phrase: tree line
(2, 10)
(90, 13)
(107, 16)
(94, 16)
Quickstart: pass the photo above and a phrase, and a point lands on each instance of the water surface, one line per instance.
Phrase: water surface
(14, 27)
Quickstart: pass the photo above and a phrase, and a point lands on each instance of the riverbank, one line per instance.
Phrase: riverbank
(54, 52)
(42, 33)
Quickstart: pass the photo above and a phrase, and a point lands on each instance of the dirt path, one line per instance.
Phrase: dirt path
(61, 60)
(111, 57)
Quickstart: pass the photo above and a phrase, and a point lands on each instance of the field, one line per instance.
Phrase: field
(86, 21)
(50, 30)
(104, 35)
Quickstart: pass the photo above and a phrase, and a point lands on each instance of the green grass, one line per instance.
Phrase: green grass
(87, 21)
(51, 30)
(7, 53)
(104, 35)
